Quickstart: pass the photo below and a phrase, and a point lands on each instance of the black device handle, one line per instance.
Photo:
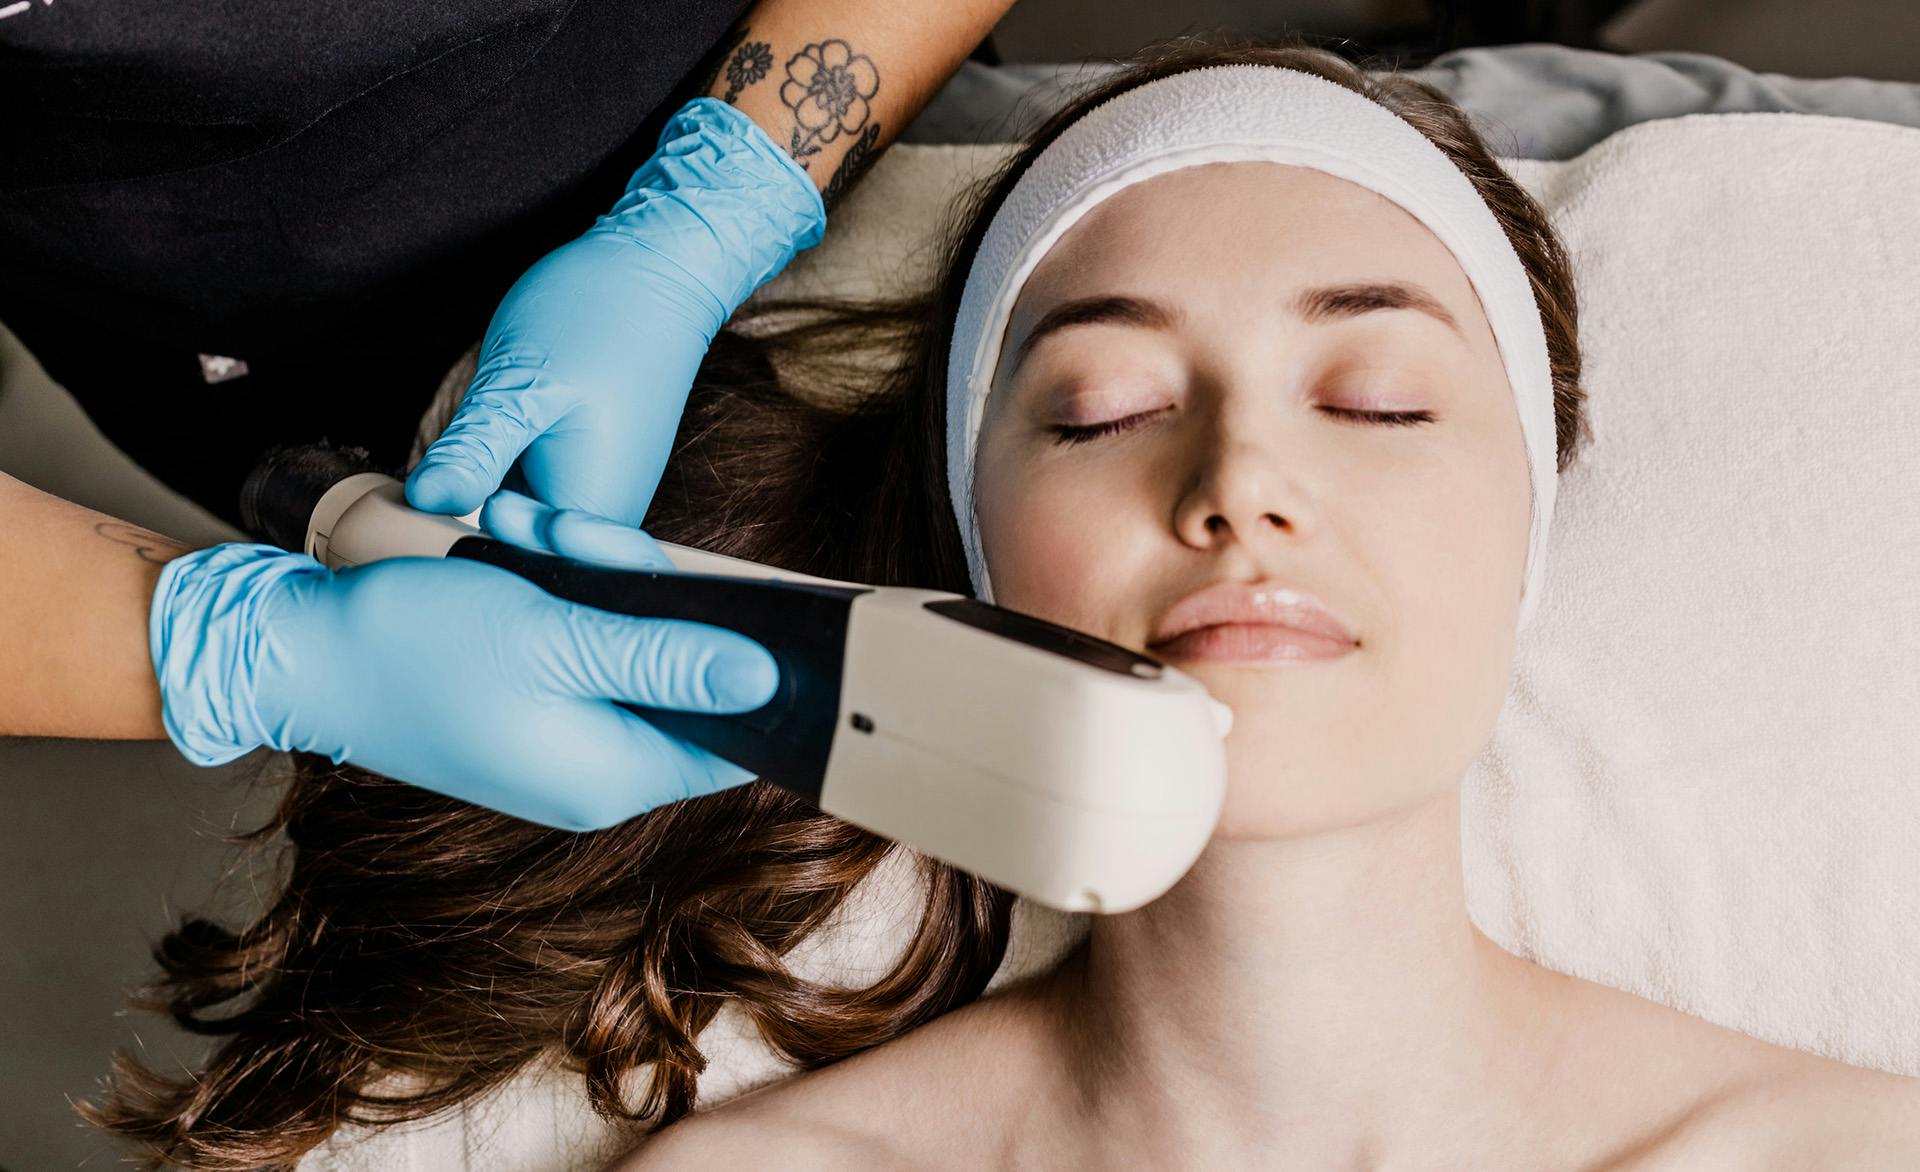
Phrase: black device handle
(804, 625)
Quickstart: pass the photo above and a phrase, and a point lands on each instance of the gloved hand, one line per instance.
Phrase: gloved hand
(455, 675)
(588, 361)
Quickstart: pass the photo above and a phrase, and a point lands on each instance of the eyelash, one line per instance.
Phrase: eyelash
(1066, 433)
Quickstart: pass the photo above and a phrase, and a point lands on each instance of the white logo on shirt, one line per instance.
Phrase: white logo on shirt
(218, 368)
(17, 8)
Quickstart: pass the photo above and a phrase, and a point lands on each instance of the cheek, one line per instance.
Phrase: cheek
(1458, 557)
(1450, 563)
(1451, 553)
(1055, 545)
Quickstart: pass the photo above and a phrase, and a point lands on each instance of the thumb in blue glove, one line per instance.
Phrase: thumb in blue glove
(586, 366)
(451, 674)
(520, 520)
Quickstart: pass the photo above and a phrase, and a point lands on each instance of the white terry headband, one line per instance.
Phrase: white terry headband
(1243, 113)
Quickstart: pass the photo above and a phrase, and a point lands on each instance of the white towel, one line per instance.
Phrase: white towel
(1705, 785)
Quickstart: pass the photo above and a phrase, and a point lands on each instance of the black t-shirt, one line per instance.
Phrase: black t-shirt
(332, 194)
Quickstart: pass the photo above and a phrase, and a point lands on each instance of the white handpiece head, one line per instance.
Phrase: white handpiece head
(1065, 768)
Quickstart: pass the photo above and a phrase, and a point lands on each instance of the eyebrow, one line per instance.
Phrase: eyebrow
(1320, 305)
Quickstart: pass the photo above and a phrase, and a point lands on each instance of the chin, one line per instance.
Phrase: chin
(1305, 761)
(1278, 785)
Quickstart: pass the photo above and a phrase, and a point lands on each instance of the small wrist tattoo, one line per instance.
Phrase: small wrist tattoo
(148, 545)
(750, 63)
(828, 87)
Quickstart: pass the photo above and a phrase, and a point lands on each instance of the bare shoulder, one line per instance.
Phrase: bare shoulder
(1666, 1091)
(1826, 1114)
(806, 1121)
(1800, 1111)
(913, 1103)
(745, 1137)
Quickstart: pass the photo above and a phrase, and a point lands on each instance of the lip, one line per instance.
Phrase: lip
(1264, 620)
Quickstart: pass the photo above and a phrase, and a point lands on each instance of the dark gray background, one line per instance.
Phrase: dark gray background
(1832, 38)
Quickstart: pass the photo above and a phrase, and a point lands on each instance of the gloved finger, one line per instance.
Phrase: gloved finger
(466, 464)
(608, 458)
(624, 767)
(661, 663)
(530, 524)
(695, 772)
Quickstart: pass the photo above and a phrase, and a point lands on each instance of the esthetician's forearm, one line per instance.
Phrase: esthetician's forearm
(909, 47)
(75, 590)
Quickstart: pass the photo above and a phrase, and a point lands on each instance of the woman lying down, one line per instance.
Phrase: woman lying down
(1231, 373)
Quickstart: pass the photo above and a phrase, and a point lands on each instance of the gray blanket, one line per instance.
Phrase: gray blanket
(1531, 101)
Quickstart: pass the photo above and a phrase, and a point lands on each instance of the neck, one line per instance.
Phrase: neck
(1325, 1000)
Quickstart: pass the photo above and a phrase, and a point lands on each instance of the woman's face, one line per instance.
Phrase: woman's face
(1235, 465)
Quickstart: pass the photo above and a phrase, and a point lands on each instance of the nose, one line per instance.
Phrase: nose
(1242, 491)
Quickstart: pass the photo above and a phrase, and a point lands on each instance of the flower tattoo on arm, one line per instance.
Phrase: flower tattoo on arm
(750, 63)
(827, 88)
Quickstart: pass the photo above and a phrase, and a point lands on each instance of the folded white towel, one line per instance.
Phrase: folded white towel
(1705, 785)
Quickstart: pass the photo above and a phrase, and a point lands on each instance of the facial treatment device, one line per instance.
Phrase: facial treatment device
(1068, 769)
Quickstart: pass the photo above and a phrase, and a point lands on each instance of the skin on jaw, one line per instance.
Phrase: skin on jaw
(1314, 986)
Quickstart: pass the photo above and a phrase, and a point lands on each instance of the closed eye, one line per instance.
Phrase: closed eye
(1388, 418)
(1066, 433)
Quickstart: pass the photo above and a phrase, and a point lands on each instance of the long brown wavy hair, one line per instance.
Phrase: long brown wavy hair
(420, 950)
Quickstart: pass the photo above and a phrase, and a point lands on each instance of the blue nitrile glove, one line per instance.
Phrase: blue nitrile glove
(588, 361)
(452, 674)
